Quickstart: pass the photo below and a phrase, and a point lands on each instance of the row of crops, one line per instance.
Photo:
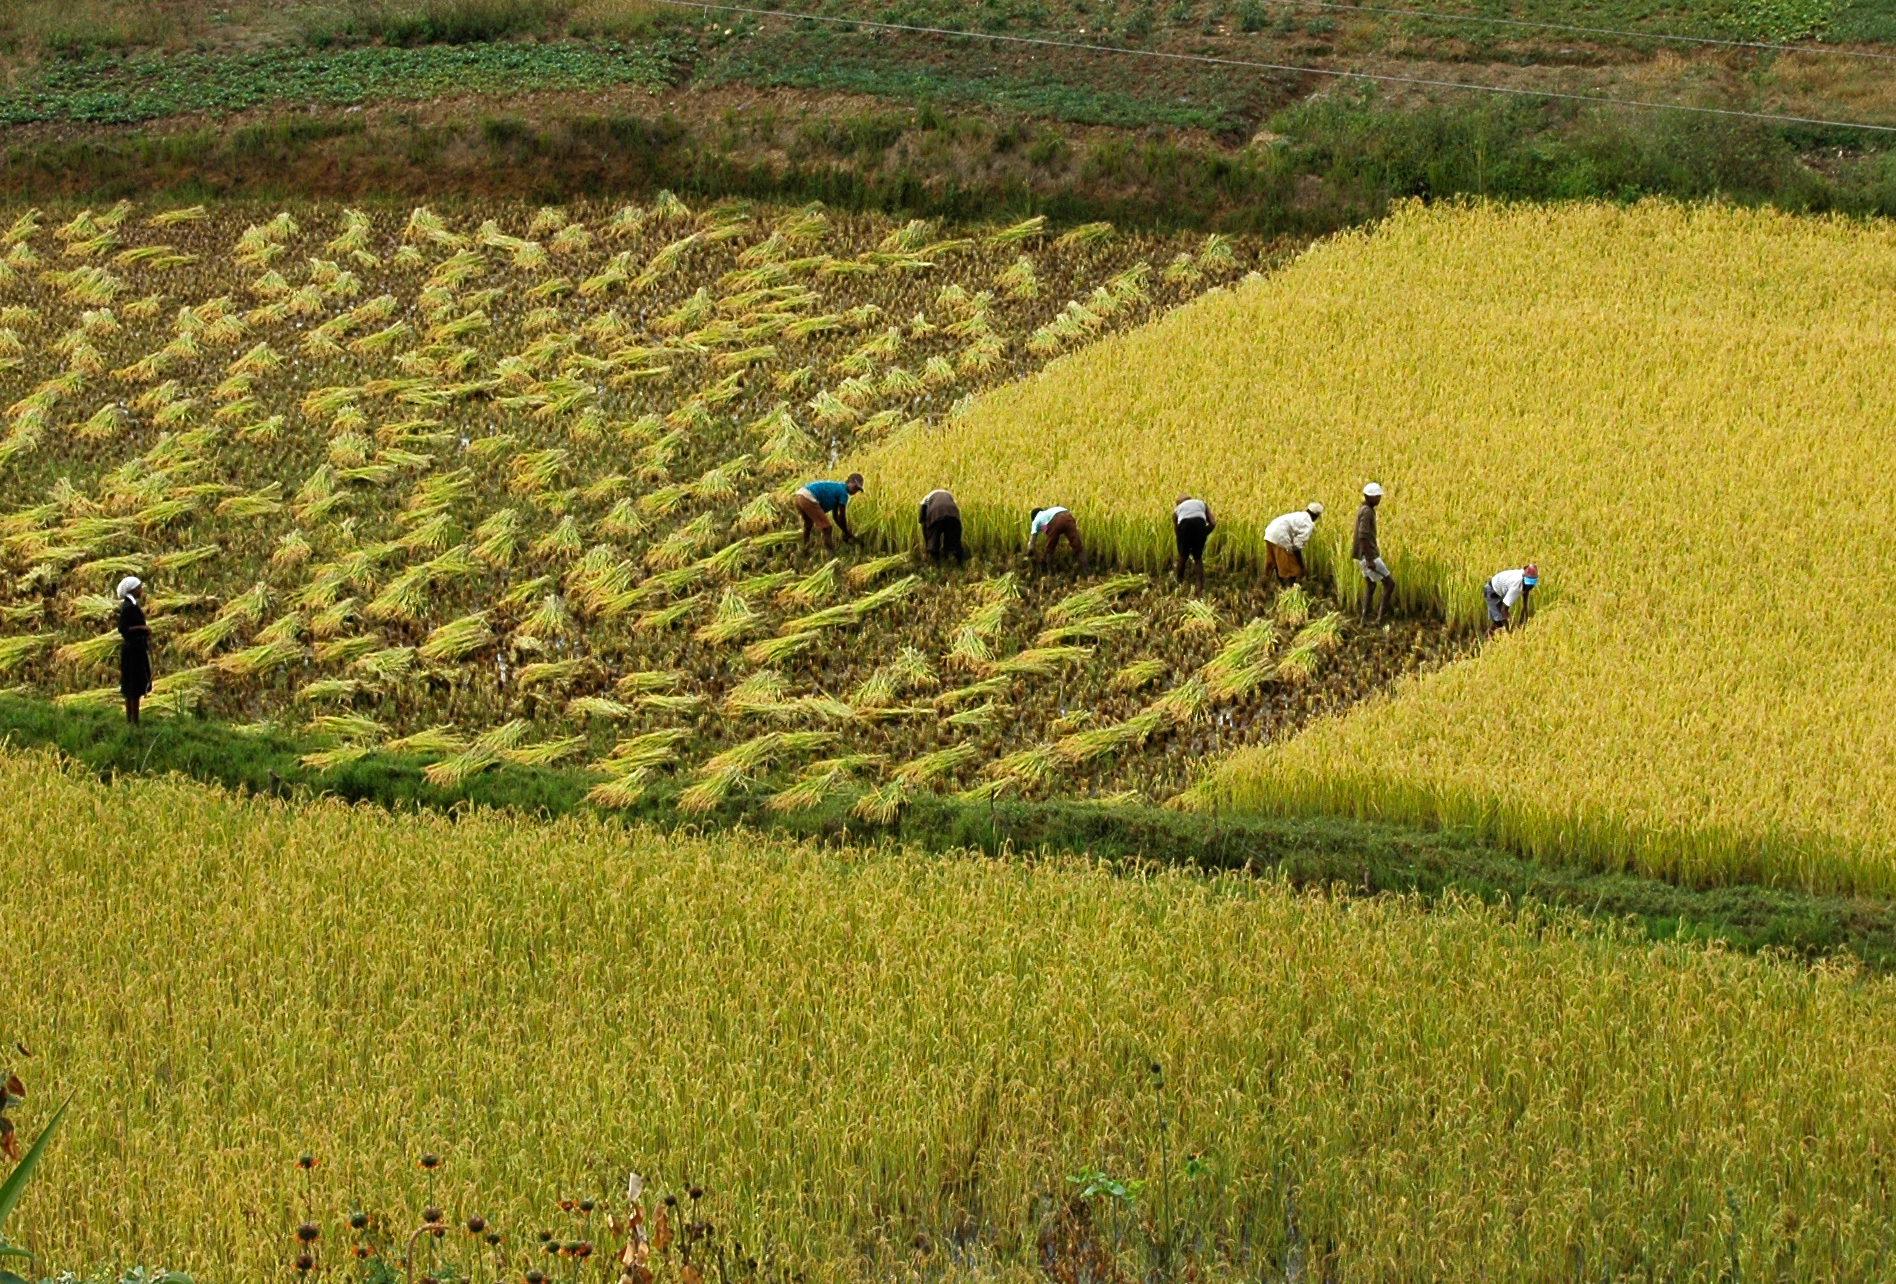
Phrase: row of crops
(511, 486)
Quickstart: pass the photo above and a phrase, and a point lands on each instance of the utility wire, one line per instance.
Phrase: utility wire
(1596, 31)
(1047, 42)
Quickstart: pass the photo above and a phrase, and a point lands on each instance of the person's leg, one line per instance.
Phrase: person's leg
(1060, 528)
(931, 541)
(1388, 603)
(1068, 530)
(951, 540)
(131, 710)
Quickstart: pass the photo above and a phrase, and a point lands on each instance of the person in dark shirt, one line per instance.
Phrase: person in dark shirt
(1367, 551)
(134, 646)
(941, 526)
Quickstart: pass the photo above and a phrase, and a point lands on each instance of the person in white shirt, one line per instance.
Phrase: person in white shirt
(1192, 525)
(1046, 528)
(1284, 541)
(1507, 590)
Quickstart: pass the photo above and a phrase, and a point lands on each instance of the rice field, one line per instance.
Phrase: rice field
(878, 1064)
(511, 485)
(1679, 413)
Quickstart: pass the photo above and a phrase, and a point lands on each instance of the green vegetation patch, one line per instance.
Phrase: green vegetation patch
(1333, 852)
(852, 66)
(104, 89)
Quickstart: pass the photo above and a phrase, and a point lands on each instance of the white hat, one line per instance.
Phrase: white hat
(1316, 508)
(1372, 491)
(129, 585)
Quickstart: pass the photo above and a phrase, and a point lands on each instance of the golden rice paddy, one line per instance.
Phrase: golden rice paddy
(1679, 413)
(882, 1064)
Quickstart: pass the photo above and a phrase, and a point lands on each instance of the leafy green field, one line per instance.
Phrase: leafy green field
(105, 89)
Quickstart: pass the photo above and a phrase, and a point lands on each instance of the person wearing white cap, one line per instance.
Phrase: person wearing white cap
(1504, 591)
(1368, 555)
(1284, 541)
(134, 646)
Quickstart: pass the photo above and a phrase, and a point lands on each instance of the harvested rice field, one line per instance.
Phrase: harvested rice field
(511, 485)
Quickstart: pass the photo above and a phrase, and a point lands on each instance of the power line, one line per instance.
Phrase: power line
(1596, 31)
(1048, 42)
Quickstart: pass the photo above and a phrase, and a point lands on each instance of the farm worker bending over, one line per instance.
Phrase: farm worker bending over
(1192, 523)
(1504, 591)
(1368, 555)
(134, 646)
(1054, 524)
(1284, 541)
(821, 498)
(941, 526)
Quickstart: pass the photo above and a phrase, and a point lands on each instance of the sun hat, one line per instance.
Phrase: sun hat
(1316, 508)
(1372, 491)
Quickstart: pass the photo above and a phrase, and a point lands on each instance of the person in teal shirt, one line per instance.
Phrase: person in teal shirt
(817, 501)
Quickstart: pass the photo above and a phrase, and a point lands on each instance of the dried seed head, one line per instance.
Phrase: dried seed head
(476, 1224)
(431, 1215)
(431, 1161)
(586, 1205)
(696, 1192)
(308, 1233)
(305, 1263)
(536, 1277)
(358, 1221)
(306, 1162)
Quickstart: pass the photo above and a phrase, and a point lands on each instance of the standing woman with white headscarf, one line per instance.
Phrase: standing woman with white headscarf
(134, 646)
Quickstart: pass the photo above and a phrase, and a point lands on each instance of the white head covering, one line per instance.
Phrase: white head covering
(1315, 509)
(128, 586)
(1372, 490)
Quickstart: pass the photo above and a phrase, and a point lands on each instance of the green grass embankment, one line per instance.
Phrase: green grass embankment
(1360, 858)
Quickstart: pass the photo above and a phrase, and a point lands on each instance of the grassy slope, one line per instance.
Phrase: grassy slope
(1359, 856)
(861, 1051)
(948, 127)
